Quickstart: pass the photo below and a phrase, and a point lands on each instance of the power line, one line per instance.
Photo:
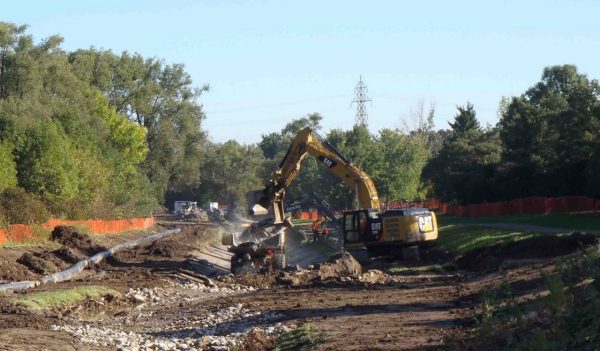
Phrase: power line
(360, 97)
(286, 103)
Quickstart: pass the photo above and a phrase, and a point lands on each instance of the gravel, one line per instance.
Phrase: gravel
(220, 329)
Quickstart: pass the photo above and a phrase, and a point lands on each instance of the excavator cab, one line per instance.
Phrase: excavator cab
(362, 225)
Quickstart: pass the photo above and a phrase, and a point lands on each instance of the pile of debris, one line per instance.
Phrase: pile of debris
(341, 268)
(77, 246)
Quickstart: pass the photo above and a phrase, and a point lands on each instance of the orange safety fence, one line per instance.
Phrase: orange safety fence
(24, 232)
(308, 215)
(527, 205)
(531, 205)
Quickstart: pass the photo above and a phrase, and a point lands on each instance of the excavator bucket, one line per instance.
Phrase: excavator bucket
(259, 207)
(257, 202)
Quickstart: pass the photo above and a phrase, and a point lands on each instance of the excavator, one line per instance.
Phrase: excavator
(313, 200)
(366, 227)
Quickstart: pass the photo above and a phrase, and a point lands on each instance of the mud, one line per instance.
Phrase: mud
(70, 237)
(11, 270)
(77, 247)
(492, 257)
(258, 340)
(166, 248)
(339, 268)
(169, 300)
(37, 264)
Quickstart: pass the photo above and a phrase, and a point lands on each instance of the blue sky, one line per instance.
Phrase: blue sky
(268, 62)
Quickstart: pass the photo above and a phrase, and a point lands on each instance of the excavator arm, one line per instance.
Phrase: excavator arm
(268, 201)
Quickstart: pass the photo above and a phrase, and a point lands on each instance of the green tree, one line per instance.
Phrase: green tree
(46, 165)
(231, 170)
(8, 169)
(160, 98)
(550, 133)
(404, 157)
(465, 168)
(465, 121)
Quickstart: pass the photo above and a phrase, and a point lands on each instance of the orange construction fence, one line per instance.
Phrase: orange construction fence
(527, 205)
(308, 215)
(24, 232)
(532, 205)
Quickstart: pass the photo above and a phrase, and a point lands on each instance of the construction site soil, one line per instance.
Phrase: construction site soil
(177, 294)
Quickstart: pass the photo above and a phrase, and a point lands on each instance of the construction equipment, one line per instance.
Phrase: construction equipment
(314, 200)
(366, 226)
(185, 209)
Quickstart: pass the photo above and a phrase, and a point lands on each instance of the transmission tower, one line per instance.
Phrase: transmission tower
(360, 98)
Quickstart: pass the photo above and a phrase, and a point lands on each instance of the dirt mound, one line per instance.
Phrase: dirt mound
(10, 270)
(70, 237)
(490, 258)
(340, 265)
(340, 268)
(68, 255)
(37, 264)
(257, 340)
(166, 248)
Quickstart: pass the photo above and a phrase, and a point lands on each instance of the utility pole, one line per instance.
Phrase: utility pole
(360, 97)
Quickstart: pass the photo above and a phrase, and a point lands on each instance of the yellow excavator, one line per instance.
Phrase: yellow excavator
(366, 227)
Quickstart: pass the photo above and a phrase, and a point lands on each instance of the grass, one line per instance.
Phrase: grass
(460, 239)
(40, 238)
(321, 247)
(564, 317)
(580, 221)
(44, 300)
(303, 338)
(318, 246)
(302, 221)
(435, 268)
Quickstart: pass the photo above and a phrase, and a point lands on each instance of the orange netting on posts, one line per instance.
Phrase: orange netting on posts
(527, 205)
(24, 232)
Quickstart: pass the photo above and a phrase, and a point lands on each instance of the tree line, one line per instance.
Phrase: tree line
(95, 134)
(546, 143)
(91, 133)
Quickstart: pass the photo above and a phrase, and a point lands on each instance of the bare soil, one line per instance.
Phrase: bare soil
(369, 309)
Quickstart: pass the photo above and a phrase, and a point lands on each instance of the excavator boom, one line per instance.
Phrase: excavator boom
(268, 202)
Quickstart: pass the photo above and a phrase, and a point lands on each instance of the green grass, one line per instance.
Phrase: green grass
(302, 222)
(321, 247)
(303, 338)
(570, 221)
(52, 299)
(41, 238)
(460, 239)
(434, 268)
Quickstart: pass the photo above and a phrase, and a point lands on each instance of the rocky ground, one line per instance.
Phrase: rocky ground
(177, 294)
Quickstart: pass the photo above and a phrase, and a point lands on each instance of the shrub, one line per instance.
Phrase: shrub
(20, 207)
(8, 170)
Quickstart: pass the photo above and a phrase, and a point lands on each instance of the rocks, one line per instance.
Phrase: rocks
(225, 329)
(341, 265)
(340, 268)
(180, 291)
(374, 276)
(221, 328)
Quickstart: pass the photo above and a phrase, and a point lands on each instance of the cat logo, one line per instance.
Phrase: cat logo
(327, 161)
(425, 224)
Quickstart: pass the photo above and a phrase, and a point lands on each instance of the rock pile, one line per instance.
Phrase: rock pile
(341, 268)
(224, 329)
(160, 295)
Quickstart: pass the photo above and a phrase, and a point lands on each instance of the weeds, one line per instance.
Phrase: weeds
(303, 338)
(564, 318)
(52, 299)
